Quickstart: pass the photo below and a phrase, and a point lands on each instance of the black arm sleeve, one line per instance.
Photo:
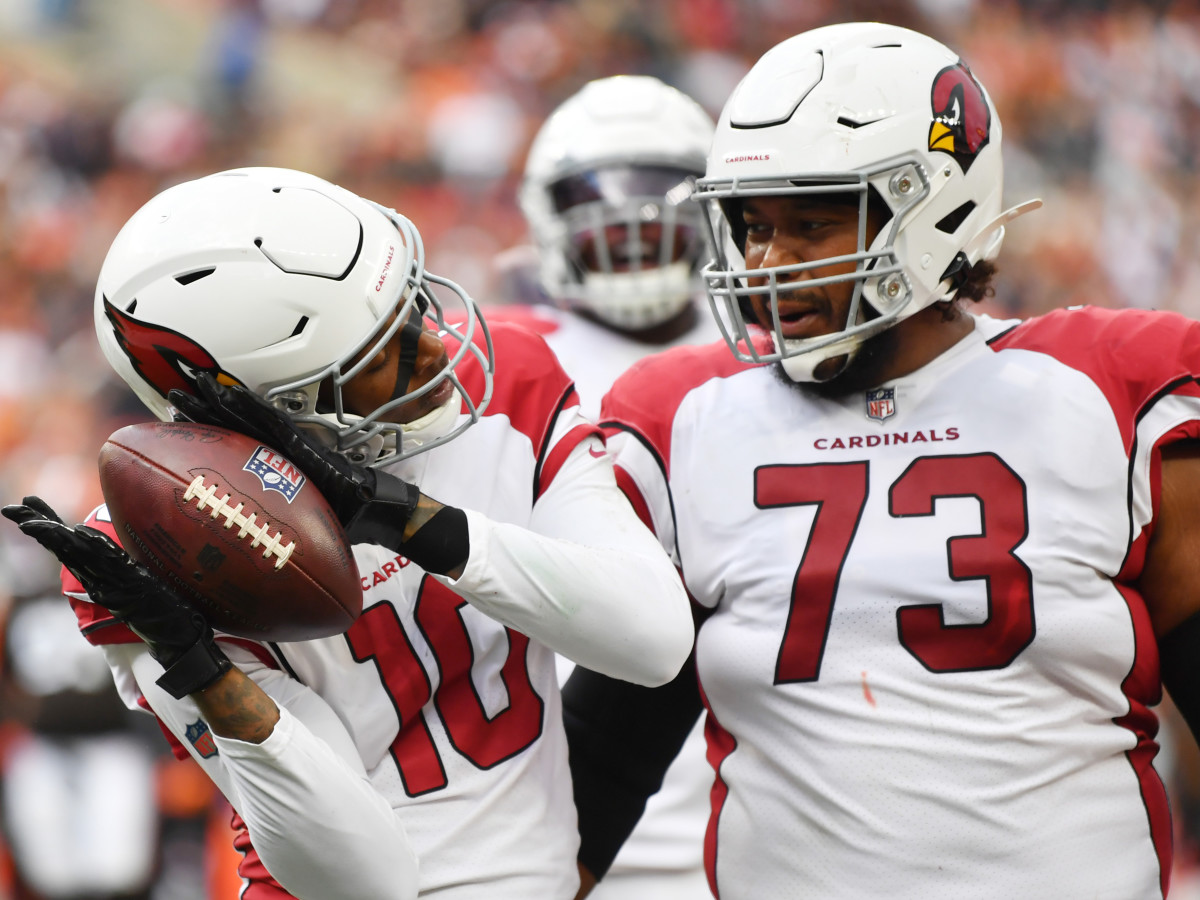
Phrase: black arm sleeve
(1179, 664)
(622, 737)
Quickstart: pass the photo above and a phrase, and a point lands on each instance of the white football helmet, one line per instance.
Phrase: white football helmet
(607, 195)
(276, 280)
(875, 110)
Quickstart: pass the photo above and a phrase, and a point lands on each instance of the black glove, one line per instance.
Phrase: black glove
(373, 506)
(177, 635)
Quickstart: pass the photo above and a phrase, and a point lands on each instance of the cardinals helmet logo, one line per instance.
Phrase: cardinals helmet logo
(962, 119)
(164, 358)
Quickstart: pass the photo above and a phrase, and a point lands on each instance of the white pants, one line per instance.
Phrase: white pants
(80, 814)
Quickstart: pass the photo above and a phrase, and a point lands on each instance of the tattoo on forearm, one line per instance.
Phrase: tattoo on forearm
(426, 508)
(236, 707)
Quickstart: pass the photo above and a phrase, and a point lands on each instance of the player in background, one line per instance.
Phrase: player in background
(607, 195)
(77, 784)
(948, 561)
(423, 750)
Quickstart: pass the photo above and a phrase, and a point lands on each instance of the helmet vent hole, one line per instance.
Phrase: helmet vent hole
(299, 326)
(194, 276)
(131, 307)
(949, 224)
(848, 122)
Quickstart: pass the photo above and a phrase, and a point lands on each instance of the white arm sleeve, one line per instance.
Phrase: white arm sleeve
(317, 823)
(587, 579)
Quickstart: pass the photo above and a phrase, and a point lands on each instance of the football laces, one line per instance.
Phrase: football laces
(247, 525)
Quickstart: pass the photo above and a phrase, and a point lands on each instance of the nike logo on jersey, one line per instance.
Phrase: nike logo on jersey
(855, 442)
(599, 454)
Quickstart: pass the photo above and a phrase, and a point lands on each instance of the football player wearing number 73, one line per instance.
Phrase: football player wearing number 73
(423, 749)
(948, 562)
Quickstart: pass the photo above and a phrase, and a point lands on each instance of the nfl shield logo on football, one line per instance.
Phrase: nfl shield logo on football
(881, 403)
(276, 472)
(201, 738)
(210, 558)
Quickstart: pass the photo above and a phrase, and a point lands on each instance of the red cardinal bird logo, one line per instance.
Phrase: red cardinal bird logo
(166, 359)
(962, 119)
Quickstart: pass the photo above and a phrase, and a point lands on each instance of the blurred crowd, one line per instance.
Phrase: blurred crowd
(429, 106)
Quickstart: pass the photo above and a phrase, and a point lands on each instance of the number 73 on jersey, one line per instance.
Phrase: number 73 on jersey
(839, 491)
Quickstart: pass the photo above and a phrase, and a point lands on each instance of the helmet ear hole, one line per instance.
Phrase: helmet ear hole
(951, 222)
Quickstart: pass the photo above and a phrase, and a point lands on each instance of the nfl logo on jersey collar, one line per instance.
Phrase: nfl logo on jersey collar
(881, 403)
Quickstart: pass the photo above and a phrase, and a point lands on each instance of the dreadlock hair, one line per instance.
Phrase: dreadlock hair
(976, 286)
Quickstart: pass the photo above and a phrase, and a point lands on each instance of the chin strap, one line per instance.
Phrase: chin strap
(433, 425)
(803, 366)
(651, 296)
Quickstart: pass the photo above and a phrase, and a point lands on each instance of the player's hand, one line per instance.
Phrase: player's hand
(373, 506)
(177, 635)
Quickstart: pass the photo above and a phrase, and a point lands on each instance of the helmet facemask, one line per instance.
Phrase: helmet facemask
(881, 290)
(630, 242)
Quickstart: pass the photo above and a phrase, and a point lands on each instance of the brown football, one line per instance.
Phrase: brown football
(234, 526)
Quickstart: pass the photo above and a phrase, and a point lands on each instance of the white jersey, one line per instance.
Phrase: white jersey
(443, 703)
(663, 857)
(928, 671)
(593, 354)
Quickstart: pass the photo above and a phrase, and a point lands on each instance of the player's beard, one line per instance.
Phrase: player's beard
(862, 373)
